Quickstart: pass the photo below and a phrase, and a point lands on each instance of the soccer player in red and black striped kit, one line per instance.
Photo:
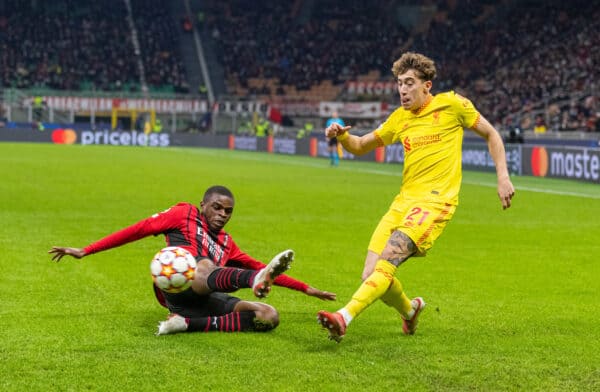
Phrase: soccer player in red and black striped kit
(222, 268)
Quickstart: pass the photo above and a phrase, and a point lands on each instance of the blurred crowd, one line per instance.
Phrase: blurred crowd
(87, 45)
(63, 46)
(521, 65)
(273, 39)
(158, 32)
(531, 64)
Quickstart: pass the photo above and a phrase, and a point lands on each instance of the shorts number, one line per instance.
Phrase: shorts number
(414, 214)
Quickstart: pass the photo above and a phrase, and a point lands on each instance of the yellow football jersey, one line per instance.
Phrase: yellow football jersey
(432, 139)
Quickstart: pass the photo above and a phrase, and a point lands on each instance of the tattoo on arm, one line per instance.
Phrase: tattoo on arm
(398, 248)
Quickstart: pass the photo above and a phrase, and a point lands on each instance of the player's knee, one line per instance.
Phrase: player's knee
(267, 318)
(204, 267)
(398, 248)
(370, 262)
(394, 256)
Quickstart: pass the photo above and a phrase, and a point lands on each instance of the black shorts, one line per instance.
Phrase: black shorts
(190, 304)
(333, 142)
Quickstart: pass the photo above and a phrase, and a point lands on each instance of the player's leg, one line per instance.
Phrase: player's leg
(370, 261)
(263, 280)
(388, 248)
(429, 220)
(218, 312)
(245, 316)
(210, 278)
(398, 249)
(408, 222)
(394, 296)
(265, 318)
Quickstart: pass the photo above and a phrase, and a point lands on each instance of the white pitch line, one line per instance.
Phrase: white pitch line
(540, 190)
(398, 174)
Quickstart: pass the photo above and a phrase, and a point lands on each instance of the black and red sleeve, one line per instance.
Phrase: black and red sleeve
(154, 225)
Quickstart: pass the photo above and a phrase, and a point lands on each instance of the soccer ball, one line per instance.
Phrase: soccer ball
(173, 269)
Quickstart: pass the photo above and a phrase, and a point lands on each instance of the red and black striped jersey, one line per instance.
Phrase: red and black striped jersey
(184, 225)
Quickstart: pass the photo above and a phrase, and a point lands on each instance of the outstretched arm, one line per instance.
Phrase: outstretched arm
(506, 189)
(354, 144)
(156, 224)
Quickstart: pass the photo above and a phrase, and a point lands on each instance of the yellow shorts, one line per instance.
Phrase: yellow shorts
(422, 221)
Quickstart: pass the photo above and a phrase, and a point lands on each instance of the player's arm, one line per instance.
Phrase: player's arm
(496, 147)
(121, 237)
(354, 144)
(153, 225)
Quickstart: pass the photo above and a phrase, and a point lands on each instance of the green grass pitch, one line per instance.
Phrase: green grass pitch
(513, 296)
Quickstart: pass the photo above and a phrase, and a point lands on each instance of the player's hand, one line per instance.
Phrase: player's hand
(506, 191)
(335, 130)
(324, 295)
(58, 252)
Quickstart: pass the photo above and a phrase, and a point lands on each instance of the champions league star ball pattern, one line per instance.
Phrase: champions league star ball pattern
(173, 269)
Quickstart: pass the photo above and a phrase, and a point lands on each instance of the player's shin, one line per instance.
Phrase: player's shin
(370, 290)
(228, 279)
(230, 322)
(396, 298)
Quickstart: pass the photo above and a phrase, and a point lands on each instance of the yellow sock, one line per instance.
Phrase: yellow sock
(396, 298)
(372, 288)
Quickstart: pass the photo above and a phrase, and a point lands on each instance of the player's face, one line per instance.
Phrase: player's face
(217, 210)
(413, 91)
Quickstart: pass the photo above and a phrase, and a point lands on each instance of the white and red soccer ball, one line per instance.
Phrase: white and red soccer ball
(173, 269)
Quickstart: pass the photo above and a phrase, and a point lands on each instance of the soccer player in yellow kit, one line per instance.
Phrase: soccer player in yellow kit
(430, 127)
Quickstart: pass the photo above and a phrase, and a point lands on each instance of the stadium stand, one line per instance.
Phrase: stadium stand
(158, 33)
(66, 45)
(86, 45)
(302, 52)
(523, 67)
(520, 67)
(517, 63)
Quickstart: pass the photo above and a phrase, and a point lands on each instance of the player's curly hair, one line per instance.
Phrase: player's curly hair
(423, 66)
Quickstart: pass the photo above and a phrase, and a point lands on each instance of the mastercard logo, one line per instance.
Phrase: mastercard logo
(539, 161)
(64, 136)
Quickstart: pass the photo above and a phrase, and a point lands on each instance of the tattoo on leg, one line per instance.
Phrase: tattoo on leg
(398, 248)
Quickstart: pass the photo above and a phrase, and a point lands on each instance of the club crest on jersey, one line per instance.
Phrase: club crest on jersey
(406, 144)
